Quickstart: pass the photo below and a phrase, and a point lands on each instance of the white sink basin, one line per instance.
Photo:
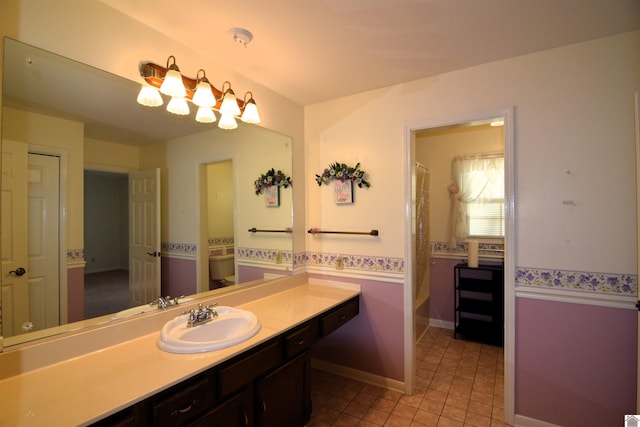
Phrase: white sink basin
(231, 326)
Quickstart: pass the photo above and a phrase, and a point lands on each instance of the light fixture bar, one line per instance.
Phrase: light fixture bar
(169, 81)
(154, 75)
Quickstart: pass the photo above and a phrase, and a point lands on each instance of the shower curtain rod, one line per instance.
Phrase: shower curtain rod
(480, 156)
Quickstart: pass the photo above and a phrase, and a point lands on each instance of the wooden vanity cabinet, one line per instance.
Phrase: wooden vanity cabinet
(283, 397)
(266, 386)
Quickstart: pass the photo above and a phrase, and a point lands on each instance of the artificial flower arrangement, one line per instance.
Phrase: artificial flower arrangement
(341, 172)
(271, 177)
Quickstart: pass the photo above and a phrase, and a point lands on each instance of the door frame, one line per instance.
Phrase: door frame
(509, 246)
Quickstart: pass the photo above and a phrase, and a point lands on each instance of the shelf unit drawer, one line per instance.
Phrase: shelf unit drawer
(479, 302)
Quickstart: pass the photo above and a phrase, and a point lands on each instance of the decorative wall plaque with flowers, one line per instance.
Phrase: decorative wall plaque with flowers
(269, 183)
(344, 177)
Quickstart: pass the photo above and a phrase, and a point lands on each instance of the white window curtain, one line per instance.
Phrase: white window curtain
(476, 179)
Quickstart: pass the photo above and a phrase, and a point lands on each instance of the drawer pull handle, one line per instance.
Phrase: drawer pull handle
(245, 419)
(264, 407)
(343, 316)
(300, 341)
(185, 409)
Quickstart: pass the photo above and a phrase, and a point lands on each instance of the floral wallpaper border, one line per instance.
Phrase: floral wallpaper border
(593, 282)
(178, 248)
(75, 255)
(600, 283)
(355, 262)
(269, 255)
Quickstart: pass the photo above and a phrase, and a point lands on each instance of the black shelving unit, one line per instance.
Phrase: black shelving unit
(479, 303)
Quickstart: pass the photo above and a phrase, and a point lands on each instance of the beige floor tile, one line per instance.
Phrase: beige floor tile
(458, 383)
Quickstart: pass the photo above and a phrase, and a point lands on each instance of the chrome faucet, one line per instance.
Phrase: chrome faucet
(165, 302)
(201, 315)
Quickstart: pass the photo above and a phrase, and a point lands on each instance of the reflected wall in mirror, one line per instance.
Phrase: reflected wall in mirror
(87, 125)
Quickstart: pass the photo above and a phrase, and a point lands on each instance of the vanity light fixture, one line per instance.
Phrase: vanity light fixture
(229, 103)
(168, 80)
(205, 115)
(203, 97)
(178, 106)
(149, 96)
(172, 84)
(227, 121)
(250, 111)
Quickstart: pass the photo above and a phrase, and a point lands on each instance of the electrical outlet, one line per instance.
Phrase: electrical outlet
(339, 262)
(278, 257)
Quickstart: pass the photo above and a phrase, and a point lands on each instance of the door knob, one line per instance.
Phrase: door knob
(18, 271)
(153, 254)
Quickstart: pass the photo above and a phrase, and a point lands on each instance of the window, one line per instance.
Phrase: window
(478, 196)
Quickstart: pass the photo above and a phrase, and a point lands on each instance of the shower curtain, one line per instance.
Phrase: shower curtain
(422, 264)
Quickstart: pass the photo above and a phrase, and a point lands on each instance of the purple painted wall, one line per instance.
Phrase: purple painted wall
(575, 363)
(373, 341)
(441, 293)
(178, 276)
(75, 294)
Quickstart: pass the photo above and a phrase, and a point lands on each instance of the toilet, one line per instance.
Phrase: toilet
(221, 269)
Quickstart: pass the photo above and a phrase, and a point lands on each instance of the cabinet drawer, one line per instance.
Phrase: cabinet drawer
(298, 341)
(184, 404)
(242, 372)
(339, 317)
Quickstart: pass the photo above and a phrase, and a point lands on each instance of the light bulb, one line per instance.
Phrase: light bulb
(205, 115)
(178, 106)
(227, 122)
(149, 96)
(172, 84)
(250, 113)
(203, 97)
(229, 104)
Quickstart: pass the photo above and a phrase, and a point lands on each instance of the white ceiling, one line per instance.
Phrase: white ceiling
(316, 50)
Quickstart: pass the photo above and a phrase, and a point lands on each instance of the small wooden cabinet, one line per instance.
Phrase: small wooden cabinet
(479, 302)
(266, 386)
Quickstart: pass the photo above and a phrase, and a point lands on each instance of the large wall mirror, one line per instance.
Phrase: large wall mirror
(107, 205)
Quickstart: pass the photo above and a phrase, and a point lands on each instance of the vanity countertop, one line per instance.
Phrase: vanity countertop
(86, 388)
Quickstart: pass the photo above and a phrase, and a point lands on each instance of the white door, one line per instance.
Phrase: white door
(44, 221)
(144, 236)
(15, 285)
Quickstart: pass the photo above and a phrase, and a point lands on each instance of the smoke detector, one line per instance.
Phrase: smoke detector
(241, 35)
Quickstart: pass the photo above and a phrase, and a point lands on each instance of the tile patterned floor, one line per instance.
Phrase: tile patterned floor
(459, 383)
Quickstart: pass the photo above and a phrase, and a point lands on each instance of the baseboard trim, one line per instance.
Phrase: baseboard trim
(358, 375)
(522, 421)
(444, 324)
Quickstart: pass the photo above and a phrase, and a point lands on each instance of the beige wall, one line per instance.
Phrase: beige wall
(51, 135)
(220, 199)
(105, 155)
(573, 113)
(253, 151)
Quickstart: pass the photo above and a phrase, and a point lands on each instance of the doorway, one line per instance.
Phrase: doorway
(509, 255)
(106, 242)
(216, 233)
